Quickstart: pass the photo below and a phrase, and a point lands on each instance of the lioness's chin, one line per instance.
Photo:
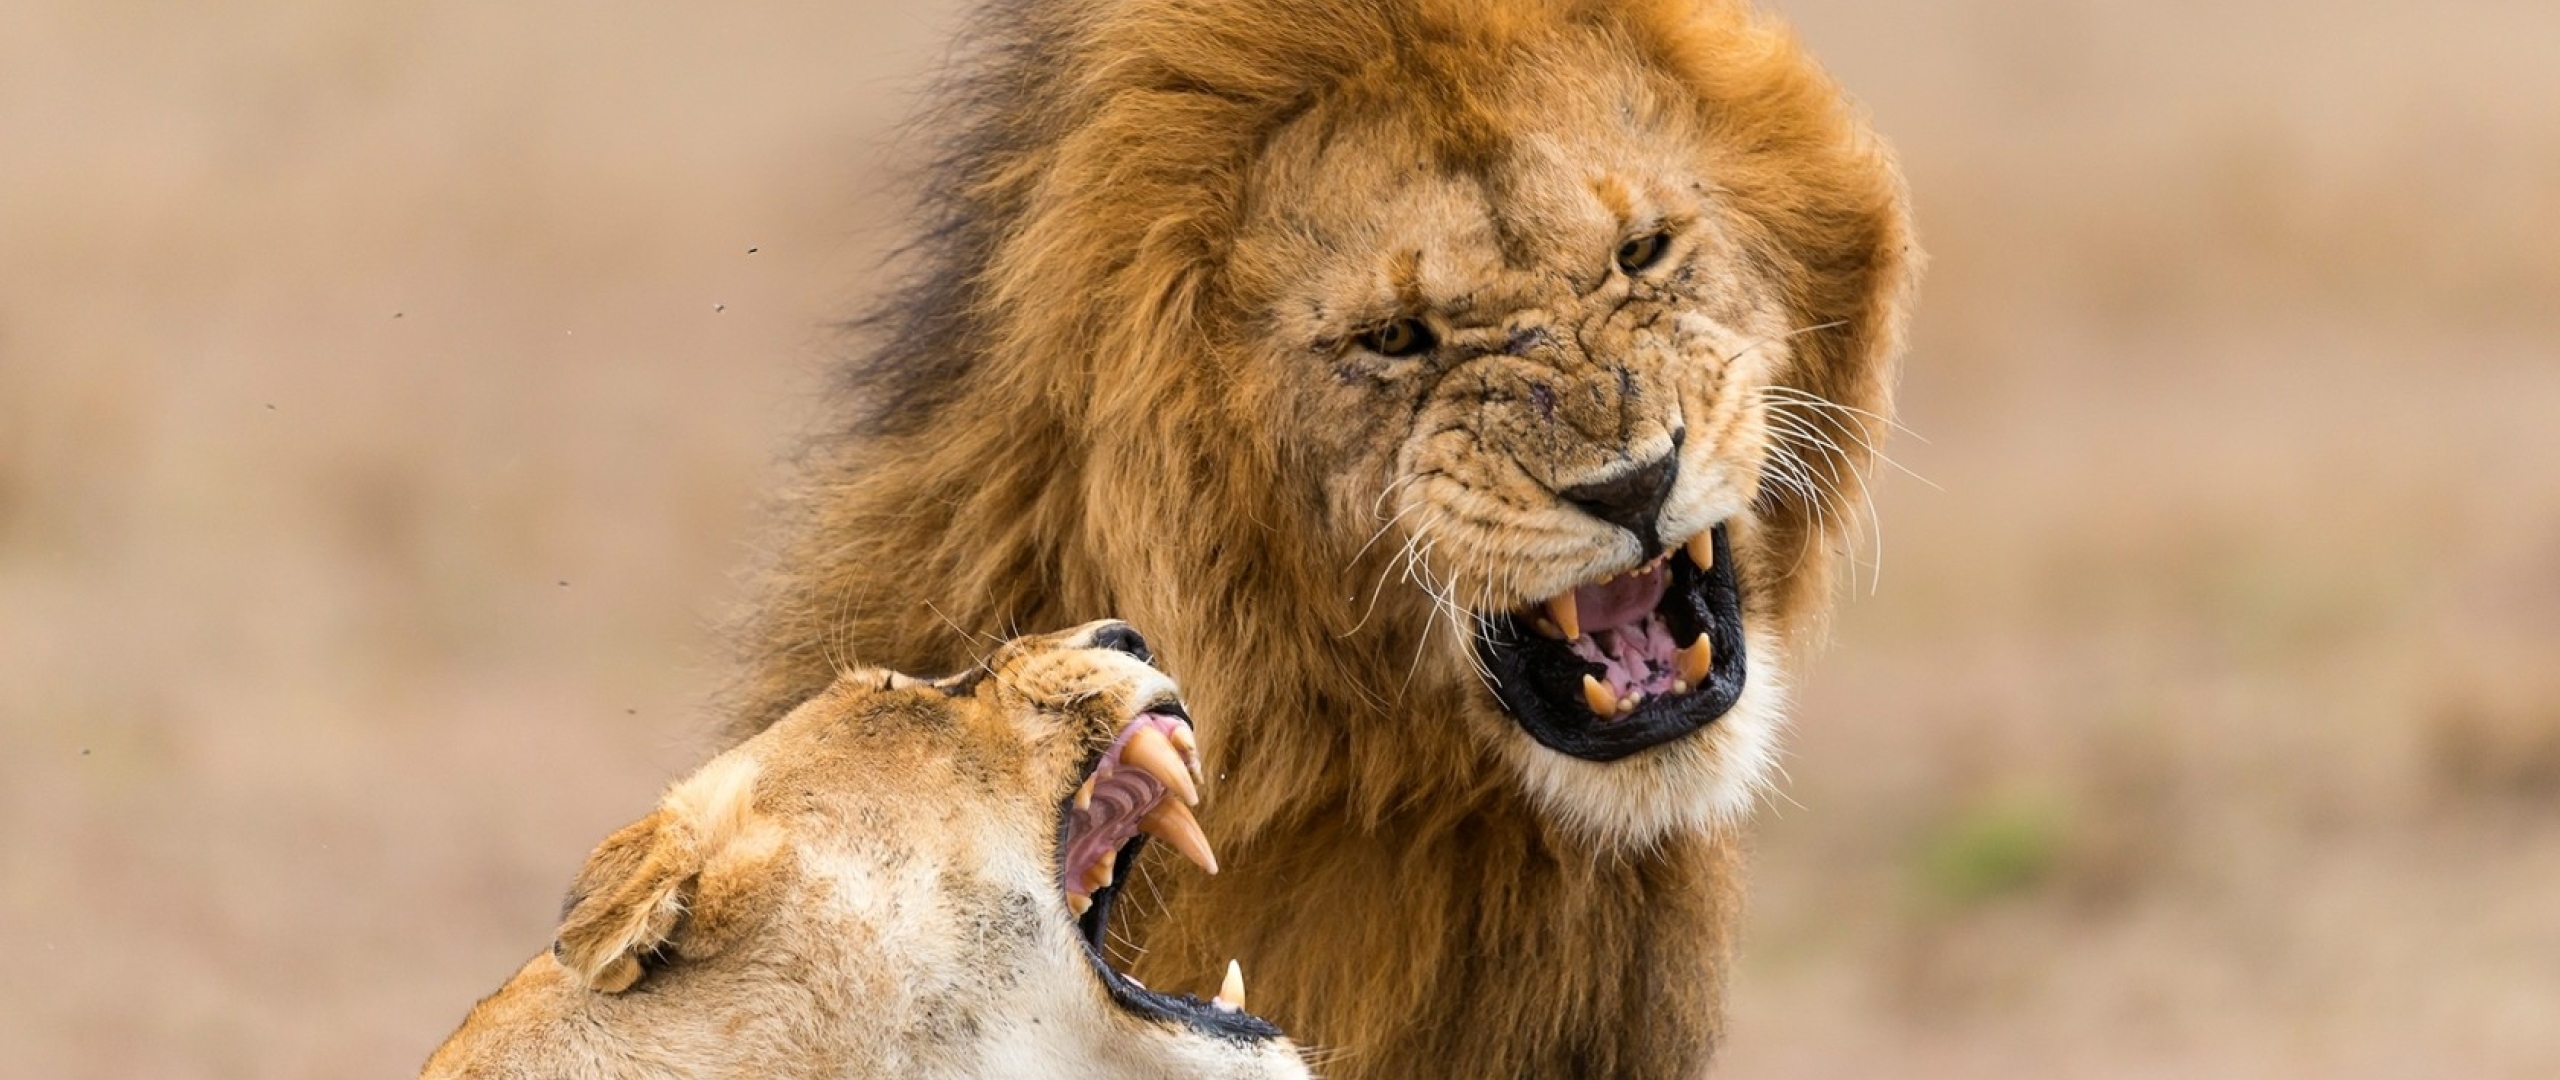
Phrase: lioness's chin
(1705, 780)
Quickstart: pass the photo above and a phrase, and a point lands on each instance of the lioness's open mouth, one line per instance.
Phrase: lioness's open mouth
(1142, 786)
(1626, 663)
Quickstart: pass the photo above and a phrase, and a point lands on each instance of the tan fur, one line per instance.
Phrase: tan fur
(866, 889)
(1128, 380)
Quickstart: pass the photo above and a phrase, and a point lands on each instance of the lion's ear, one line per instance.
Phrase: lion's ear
(632, 902)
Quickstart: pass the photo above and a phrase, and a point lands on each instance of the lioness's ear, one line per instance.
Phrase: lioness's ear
(631, 901)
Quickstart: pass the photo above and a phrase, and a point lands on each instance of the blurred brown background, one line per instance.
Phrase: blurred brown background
(386, 391)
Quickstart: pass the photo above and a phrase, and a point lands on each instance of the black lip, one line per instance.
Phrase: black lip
(1093, 927)
(1539, 681)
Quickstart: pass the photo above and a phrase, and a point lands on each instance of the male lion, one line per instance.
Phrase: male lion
(902, 878)
(1471, 396)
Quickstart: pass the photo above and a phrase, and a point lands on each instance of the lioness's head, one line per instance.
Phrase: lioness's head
(903, 877)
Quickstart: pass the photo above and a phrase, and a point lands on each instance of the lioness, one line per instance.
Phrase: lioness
(904, 877)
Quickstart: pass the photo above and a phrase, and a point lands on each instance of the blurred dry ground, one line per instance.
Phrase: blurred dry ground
(386, 391)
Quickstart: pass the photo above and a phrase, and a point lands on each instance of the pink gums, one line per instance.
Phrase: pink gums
(1623, 600)
(1121, 799)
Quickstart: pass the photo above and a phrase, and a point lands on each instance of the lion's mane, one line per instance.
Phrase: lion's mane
(1042, 430)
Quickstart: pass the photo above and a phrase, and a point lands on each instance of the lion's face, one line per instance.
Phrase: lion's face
(1534, 347)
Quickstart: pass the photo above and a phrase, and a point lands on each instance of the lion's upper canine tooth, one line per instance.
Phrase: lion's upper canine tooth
(1150, 752)
(1084, 794)
(1695, 658)
(1702, 550)
(1172, 823)
(1231, 992)
(1598, 696)
(1566, 614)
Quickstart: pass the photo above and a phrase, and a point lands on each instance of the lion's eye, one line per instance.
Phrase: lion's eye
(1641, 252)
(1403, 337)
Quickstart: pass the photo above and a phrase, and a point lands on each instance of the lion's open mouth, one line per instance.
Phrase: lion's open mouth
(1142, 786)
(1626, 663)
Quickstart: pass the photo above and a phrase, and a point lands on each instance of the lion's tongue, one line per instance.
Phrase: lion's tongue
(1621, 600)
(1614, 626)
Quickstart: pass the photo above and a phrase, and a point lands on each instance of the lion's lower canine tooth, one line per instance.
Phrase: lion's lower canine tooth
(1231, 992)
(1154, 754)
(1702, 550)
(1172, 823)
(1566, 614)
(1601, 700)
(1695, 659)
(1547, 628)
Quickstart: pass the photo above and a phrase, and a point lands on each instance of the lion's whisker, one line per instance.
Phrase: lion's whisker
(1807, 429)
(1797, 396)
(1808, 397)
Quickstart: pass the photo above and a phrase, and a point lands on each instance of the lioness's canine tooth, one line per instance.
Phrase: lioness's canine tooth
(1153, 754)
(1702, 550)
(1231, 992)
(1098, 876)
(1189, 744)
(1695, 659)
(1172, 823)
(1566, 614)
(1601, 700)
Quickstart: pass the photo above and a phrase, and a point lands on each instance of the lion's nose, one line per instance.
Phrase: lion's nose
(1632, 500)
(1121, 637)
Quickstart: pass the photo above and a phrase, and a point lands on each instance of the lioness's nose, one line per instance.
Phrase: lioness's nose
(1632, 499)
(1121, 637)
